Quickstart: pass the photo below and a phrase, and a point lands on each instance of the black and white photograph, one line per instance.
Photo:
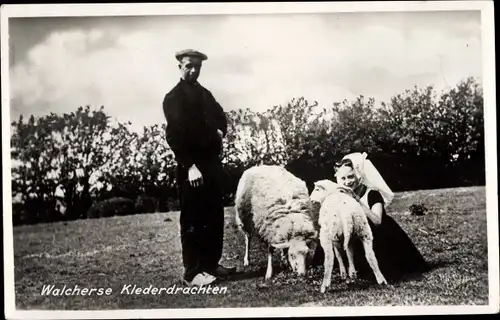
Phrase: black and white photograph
(249, 159)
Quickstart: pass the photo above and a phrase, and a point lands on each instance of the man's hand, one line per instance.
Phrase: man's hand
(348, 191)
(195, 177)
(219, 131)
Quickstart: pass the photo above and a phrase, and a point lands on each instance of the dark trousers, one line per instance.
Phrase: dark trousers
(201, 220)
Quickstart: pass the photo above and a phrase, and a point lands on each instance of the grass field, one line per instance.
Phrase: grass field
(145, 250)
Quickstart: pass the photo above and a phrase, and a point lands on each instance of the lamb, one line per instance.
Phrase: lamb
(274, 204)
(342, 217)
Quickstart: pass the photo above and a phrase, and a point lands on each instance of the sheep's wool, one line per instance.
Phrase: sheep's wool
(275, 203)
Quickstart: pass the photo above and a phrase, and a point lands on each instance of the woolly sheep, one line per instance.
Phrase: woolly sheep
(341, 217)
(274, 204)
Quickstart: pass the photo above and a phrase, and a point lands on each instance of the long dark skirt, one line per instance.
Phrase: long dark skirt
(396, 254)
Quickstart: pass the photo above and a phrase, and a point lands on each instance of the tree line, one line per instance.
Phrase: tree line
(63, 165)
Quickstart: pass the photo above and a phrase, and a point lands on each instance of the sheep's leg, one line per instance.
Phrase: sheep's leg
(247, 249)
(347, 228)
(284, 257)
(240, 226)
(350, 258)
(269, 272)
(372, 261)
(338, 249)
(327, 245)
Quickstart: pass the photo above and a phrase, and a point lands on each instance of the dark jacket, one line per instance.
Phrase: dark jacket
(193, 117)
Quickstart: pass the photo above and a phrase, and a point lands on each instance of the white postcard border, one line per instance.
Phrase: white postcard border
(53, 10)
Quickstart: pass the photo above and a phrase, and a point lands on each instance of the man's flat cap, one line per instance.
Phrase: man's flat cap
(190, 53)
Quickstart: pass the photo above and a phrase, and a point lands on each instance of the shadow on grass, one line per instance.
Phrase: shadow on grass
(420, 275)
(440, 264)
(366, 279)
(246, 275)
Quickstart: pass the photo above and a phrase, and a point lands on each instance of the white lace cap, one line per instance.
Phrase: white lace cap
(369, 175)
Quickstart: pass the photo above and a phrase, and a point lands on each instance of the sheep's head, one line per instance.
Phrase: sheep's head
(298, 251)
(322, 189)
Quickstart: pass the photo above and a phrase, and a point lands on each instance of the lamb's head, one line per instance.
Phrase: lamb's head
(298, 251)
(322, 189)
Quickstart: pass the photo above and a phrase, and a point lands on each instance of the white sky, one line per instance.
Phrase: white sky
(127, 64)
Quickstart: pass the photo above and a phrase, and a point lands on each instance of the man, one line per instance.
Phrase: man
(196, 125)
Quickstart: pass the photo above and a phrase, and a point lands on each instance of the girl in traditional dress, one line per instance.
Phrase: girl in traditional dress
(396, 254)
